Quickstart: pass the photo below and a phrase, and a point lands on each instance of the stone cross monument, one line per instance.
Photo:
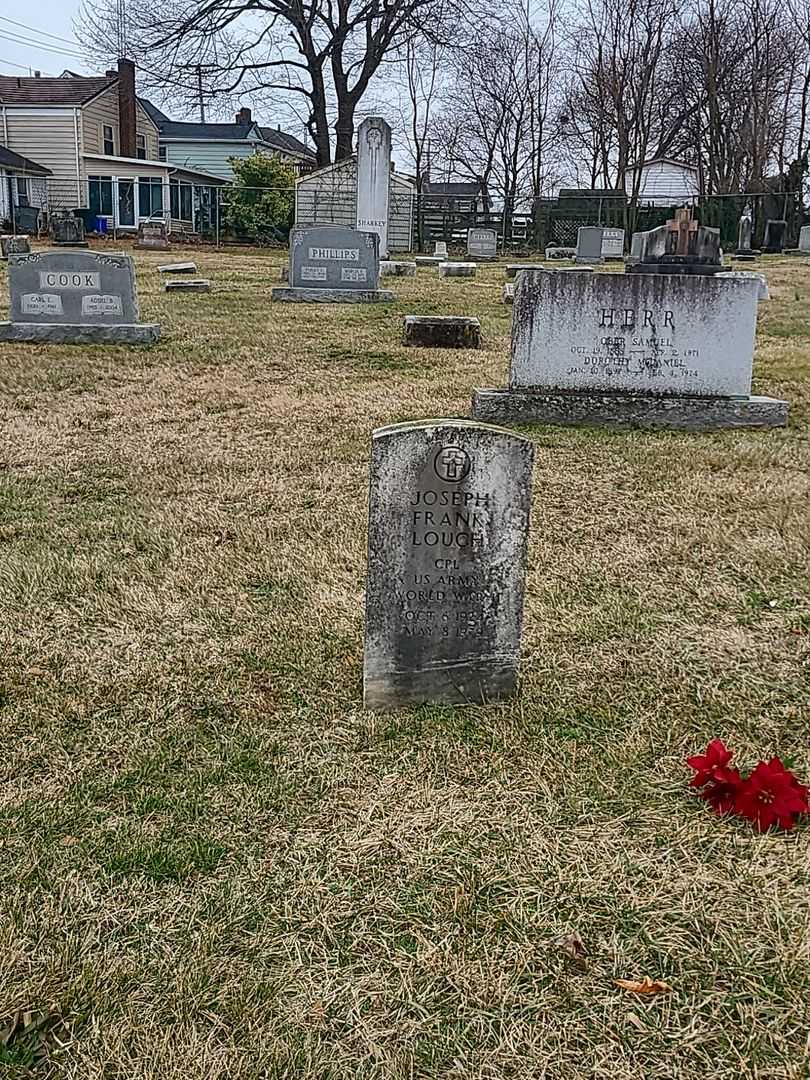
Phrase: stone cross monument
(373, 179)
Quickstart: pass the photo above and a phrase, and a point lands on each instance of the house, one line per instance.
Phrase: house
(23, 191)
(664, 182)
(328, 196)
(211, 146)
(101, 147)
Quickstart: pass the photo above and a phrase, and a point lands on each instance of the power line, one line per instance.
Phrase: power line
(13, 63)
(19, 40)
(36, 30)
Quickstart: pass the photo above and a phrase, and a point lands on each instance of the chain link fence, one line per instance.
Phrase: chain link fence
(221, 214)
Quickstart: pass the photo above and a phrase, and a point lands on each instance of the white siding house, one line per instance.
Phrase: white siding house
(329, 197)
(664, 182)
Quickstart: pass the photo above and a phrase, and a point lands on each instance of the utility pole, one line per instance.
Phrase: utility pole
(200, 93)
(121, 27)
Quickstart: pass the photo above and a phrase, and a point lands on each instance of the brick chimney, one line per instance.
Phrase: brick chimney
(244, 116)
(127, 109)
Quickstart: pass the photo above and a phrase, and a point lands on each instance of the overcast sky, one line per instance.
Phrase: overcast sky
(49, 25)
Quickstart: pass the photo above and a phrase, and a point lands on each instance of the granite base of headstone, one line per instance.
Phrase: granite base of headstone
(632, 350)
(442, 332)
(197, 285)
(482, 244)
(457, 269)
(67, 231)
(397, 268)
(75, 297)
(774, 240)
(14, 245)
(589, 244)
(178, 268)
(153, 236)
(449, 511)
(332, 264)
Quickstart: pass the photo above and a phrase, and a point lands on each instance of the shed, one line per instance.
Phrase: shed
(23, 186)
(328, 196)
(664, 182)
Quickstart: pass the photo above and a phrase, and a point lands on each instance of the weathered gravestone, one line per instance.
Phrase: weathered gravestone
(482, 243)
(153, 236)
(178, 268)
(745, 235)
(440, 249)
(681, 246)
(373, 179)
(457, 269)
(397, 268)
(774, 241)
(508, 294)
(67, 231)
(333, 264)
(613, 244)
(589, 244)
(449, 514)
(442, 332)
(77, 297)
(625, 350)
(14, 245)
(804, 239)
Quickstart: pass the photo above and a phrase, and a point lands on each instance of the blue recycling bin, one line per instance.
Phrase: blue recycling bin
(101, 225)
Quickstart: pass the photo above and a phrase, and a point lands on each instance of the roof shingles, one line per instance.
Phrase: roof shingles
(65, 91)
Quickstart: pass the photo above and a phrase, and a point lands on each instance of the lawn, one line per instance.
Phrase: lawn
(216, 866)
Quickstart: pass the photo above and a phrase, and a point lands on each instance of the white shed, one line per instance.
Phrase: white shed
(329, 197)
(664, 182)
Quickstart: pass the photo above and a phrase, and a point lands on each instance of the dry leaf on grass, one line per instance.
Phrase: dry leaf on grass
(571, 945)
(646, 986)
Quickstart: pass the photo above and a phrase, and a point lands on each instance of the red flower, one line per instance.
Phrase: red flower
(712, 765)
(772, 795)
(722, 794)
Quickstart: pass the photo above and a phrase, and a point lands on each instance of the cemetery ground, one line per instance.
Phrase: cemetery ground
(216, 865)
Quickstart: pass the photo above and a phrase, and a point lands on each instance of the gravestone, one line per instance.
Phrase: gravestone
(77, 297)
(373, 179)
(589, 244)
(554, 252)
(397, 268)
(449, 508)
(178, 268)
(457, 269)
(681, 246)
(804, 239)
(508, 294)
(333, 264)
(188, 285)
(429, 260)
(482, 244)
(440, 249)
(745, 233)
(513, 269)
(626, 350)
(67, 231)
(153, 236)
(442, 332)
(613, 244)
(774, 241)
(14, 245)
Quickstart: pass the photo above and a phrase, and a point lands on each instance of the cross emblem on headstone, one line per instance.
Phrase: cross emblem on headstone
(454, 464)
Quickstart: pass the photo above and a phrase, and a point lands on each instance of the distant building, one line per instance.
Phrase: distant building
(456, 196)
(101, 147)
(23, 191)
(328, 196)
(211, 146)
(664, 182)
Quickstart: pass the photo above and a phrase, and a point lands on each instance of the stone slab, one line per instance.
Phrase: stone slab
(14, 245)
(189, 285)
(442, 332)
(554, 252)
(513, 269)
(73, 287)
(449, 507)
(628, 410)
(457, 269)
(429, 260)
(178, 268)
(333, 257)
(397, 268)
(81, 334)
(624, 333)
(332, 296)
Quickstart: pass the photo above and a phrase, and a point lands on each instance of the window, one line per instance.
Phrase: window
(181, 201)
(150, 196)
(140, 146)
(108, 137)
(161, 153)
(23, 193)
(101, 195)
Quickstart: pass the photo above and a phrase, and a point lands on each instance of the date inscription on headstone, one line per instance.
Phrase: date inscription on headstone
(448, 532)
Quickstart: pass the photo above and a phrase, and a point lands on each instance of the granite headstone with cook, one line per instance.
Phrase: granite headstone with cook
(333, 264)
(79, 297)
